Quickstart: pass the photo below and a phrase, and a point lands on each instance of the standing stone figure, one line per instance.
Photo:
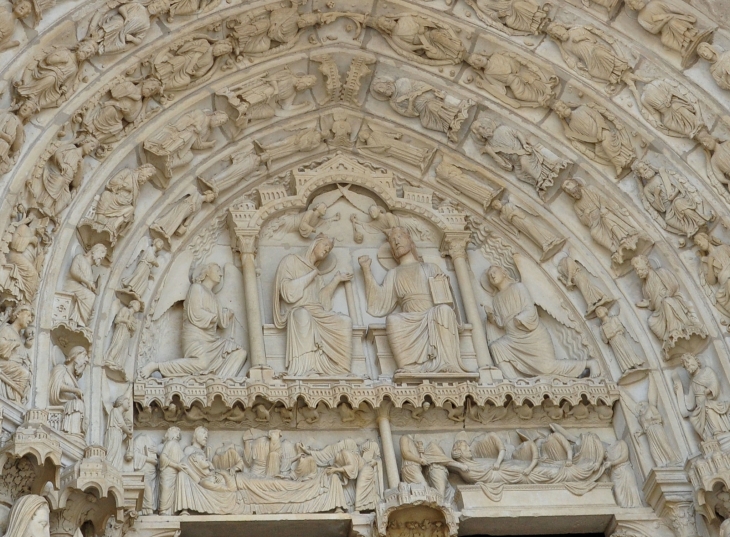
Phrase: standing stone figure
(177, 219)
(145, 461)
(118, 430)
(701, 404)
(369, 485)
(719, 63)
(171, 464)
(64, 390)
(16, 338)
(650, 420)
(531, 226)
(125, 325)
(672, 318)
(573, 275)
(622, 475)
(205, 351)
(526, 348)
(613, 332)
(82, 284)
(424, 335)
(318, 340)
(610, 225)
(136, 285)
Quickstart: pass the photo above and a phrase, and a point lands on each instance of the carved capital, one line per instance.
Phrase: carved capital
(383, 411)
(454, 244)
(681, 517)
(247, 243)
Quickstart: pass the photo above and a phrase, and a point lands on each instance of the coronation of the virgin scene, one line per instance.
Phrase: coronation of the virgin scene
(364, 268)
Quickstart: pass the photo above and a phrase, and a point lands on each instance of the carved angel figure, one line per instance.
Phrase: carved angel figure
(421, 39)
(125, 325)
(384, 221)
(610, 225)
(719, 61)
(176, 142)
(594, 53)
(304, 140)
(613, 332)
(177, 219)
(12, 134)
(436, 110)
(573, 275)
(672, 319)
(82, 283)
(526, 348)
(530, 225)
(129, 103)
(16, 339)
(26, 240)
(707, 413)
(597, 134)
(318, 340)
(53, 187)
(671, 108)
(514, 17)
(424, 335)
(49, 81)
(514, 79)
(123, 26)
(64, 390)
(384, 144)
(205, 351)
(650, 421)
(532, 163)
(715, 269)
(677, 28)
(115, 210)
(135, 286)
(245, 166)
(676, 201)
(267, 96)
(118, 430)
(193, 60)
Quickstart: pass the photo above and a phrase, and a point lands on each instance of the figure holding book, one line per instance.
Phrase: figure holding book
(424, 334)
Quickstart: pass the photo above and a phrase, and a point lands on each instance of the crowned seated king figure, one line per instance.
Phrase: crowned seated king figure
(424, 334)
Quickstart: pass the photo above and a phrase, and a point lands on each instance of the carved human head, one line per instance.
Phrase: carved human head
(322, 247)
(573, 188)
(497, 204)
(702, 240)
(209, 196)
(460, 450)
(27, 109)
(478, 61)
(386, 24)
(88, 145)
(158, 244)
(562, 109)
(97, 254)
(383, 87)
(144, 173)
(484, 127)
(150, 87)
(641, 266)
(305, 82)
(320, 209)
(497, 276)
(201, 436)
(636, 4)
(85, 50)
(690, 363)
(221, 48)
(135, 305)
(211, 272)
(122, 402)
(400, 241)
(22, 314)
(79, 358)
(375, 211)
(707, 52)
(23, 9)
(643, 170)
(157, 7)
(558, 32)
(601, 312)
(173, 433)
(29, 517)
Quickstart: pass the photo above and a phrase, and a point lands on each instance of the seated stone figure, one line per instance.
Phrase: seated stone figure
(318, 340)
(526, 348)
(205, 351)
(424, 335)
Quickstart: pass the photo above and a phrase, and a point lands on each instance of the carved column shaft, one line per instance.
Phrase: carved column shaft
(386, 438)
(456, 244)
(256, 350)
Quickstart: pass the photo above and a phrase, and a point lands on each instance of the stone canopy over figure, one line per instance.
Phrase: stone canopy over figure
(526, 348)
(205, 351)
(318, 340)
(424, 335)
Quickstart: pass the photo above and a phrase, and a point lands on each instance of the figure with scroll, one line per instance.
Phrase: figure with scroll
(424, 335)
(526, 348)
(318, 340)
(205, 351)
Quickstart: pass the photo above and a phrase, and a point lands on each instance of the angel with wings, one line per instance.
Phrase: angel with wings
(650, 420)
(526, 348)
(267, 96)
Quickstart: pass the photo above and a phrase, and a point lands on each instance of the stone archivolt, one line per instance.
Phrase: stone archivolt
(201, 191)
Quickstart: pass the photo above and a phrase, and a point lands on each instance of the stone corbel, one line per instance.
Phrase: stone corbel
(671, 495)
(35, 440)
(91, 490)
